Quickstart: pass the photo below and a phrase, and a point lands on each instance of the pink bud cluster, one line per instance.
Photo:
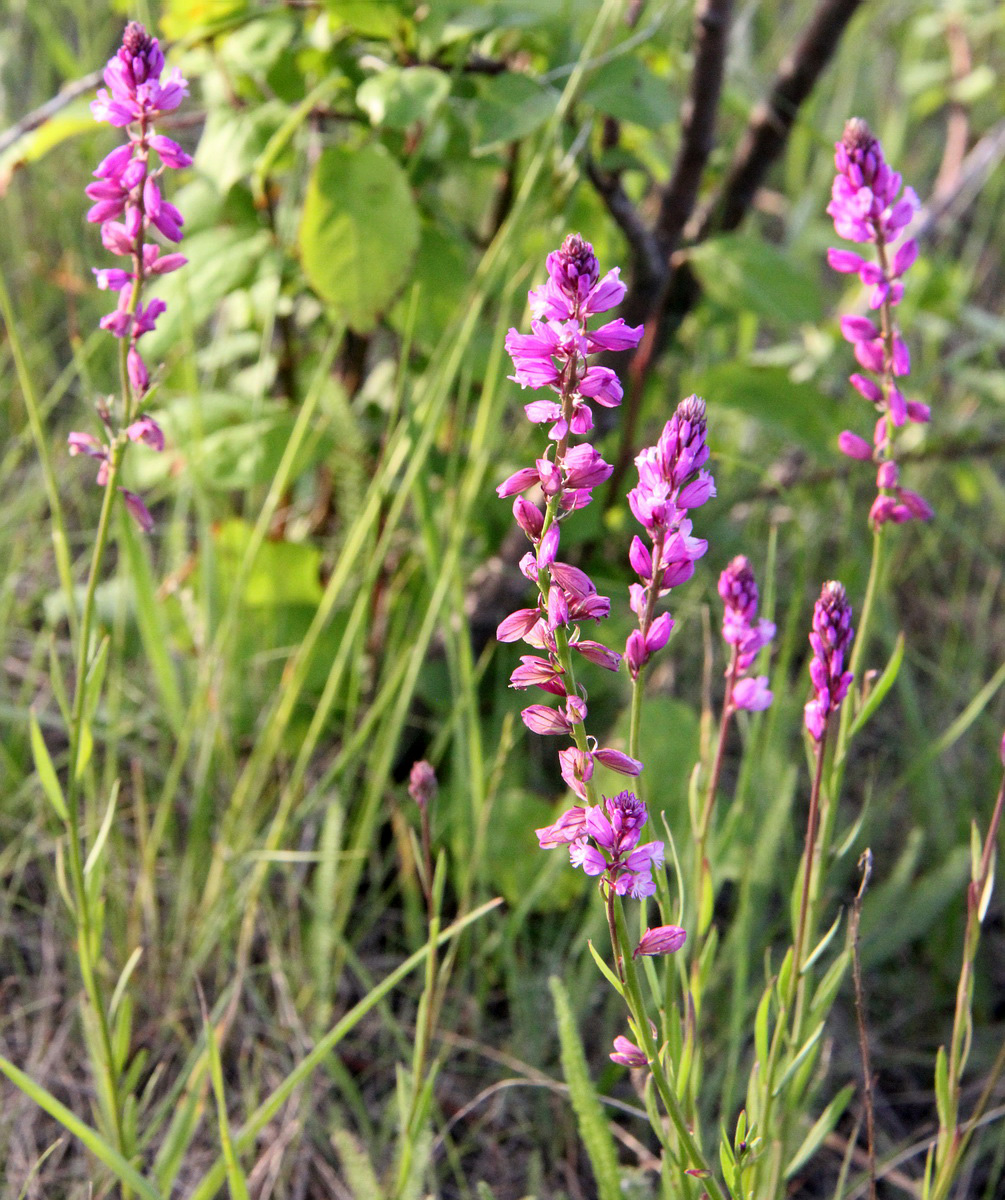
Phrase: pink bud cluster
(555, 357)
(672, 480)
(866, 208)
(746, 634)
(128, 204)
(830, 639)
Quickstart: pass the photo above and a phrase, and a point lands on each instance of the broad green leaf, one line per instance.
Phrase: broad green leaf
(371, 18)
(798, 411)
(233, 139)
(46, 771)
(823, 1125)
(508, 107)
(440, 280)
(746, 273)
(75, 119)
(399, 97)
(359, 233)
(219, 261)
(628, 90)
(590, 1119)
(284, 573)
(185, 18)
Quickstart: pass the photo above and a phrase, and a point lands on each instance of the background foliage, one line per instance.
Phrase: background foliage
(375, 187)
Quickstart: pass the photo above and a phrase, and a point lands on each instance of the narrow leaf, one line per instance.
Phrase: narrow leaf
(46, 771)
(823, 1125)
(106, 825)
(881, 687)
(94, 1142)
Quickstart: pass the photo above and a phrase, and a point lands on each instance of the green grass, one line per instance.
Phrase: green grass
(302, 625)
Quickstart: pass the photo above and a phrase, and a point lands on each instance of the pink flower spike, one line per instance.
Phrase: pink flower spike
(858, 329)
(845, 261)
(518, 482)
(598, 654)
(664, 939)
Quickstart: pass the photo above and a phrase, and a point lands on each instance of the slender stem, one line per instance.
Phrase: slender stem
(809, 859)
(633, 995)
(720, 753)
(87, 950)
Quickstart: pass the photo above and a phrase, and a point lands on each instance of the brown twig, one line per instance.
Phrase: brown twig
(711, 27)
(957, 116)
(773, 118)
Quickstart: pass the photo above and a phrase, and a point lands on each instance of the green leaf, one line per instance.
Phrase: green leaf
(627, 90)
(745, 273)
(46, 771)
(943, 1099)
(399, 97)
(606, 971)
(822, 1126)
(106, 825)
(185, 18)
(359, 233)
(761, 1026)
(232, 141)
(94, 1142)
(593, 1127)
(236, 1181)
(798, 411)
(806, 1048)
(75, 119)
(508, 107)
(284, 573)
(356, 1166)
(880, 688)
(371, 18)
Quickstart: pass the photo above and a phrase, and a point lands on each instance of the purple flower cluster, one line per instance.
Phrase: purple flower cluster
(128, 204)
(830, 638)
(614, 828)
(672, 480)
(555, 356)
(866, 208)
(746, 634)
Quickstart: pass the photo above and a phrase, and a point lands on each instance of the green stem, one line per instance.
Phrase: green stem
(87, 950)
(633, 995)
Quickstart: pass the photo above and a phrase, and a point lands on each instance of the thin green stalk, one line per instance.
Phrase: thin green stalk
(636, 1004)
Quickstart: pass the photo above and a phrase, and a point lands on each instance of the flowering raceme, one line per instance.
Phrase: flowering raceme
(129, 205)
(747, 636)
(555, 357)
(672, 480)
(831, 639)
(866, 208)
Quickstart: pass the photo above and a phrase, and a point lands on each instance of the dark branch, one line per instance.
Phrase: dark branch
(772, 119)
(711, 30)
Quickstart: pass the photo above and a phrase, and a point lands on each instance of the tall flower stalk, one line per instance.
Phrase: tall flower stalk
(603, 835)
(129, 206)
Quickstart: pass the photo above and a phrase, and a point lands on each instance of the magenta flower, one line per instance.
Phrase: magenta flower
(603, 839)
(129, 205)
(747, 636)
(866, 208)
(422, 785)
(665, 939)
(628, 1054)
(830, 638)
(554, 356)
(672, 480)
